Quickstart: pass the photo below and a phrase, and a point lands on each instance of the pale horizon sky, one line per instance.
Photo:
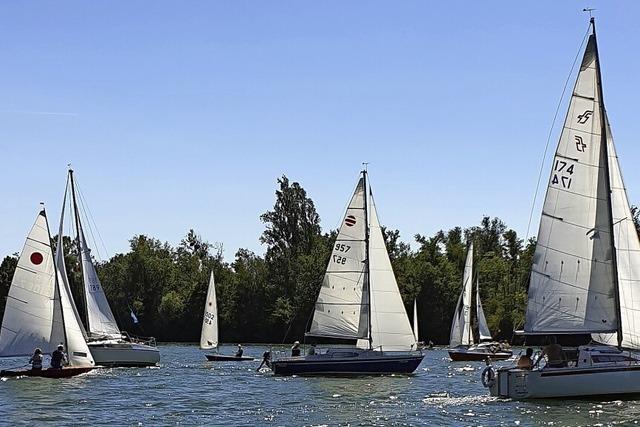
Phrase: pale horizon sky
(179, 115)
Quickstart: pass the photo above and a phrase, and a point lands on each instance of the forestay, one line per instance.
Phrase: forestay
(341, 309)
(390, 327)
(483, 328)
(628, 255)
(572, 289)
(209, 334)
(461, 325)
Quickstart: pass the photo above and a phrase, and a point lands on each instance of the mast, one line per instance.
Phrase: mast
(57, 284)
(77, 220)
(603, 142)
(367, 276)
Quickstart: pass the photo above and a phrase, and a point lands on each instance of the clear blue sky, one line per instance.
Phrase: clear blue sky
(181, 115)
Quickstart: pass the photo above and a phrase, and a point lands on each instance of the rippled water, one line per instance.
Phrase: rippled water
(188, 390)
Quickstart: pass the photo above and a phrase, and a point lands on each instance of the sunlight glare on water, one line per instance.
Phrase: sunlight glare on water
(188, 390)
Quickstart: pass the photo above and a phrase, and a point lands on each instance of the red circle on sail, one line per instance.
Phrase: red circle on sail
(350, 220)
(36, 258)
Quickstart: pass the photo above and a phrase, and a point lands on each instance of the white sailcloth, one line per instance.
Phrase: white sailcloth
(61, 266)
(101, 321)
(390, 327)
(341, 309)
(209, 334)
(461, 325)
(39, 310)
(483, 328)
(572, 288)
(628, 255)
(28, 320)
(415, 320)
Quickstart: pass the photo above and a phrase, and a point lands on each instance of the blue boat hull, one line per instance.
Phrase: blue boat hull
(348, 363)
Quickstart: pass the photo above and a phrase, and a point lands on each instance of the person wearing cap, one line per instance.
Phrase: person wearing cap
(295, 350)
(240, 351)
(58, 358)
(36, 360)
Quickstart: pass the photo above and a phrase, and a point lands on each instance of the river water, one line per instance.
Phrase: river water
(188, 390)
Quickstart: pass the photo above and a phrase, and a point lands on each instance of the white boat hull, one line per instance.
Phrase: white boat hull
(124, 354)
(600, 371)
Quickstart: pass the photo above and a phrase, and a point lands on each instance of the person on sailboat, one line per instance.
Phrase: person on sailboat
(526, 362)
(312, 350)
(58, 358)
(239, 351)
(295, 350)
(555, 356)
(36, 360)
(266, 360)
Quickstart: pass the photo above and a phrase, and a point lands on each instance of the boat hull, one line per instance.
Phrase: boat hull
(348, 364)
(565, 382)
(227, 358)
(65, 372)
(124, 354)
(477, 356)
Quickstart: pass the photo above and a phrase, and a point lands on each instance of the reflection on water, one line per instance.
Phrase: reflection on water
(189, 390)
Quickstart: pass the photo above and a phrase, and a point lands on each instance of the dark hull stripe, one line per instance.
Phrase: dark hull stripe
(590, 371)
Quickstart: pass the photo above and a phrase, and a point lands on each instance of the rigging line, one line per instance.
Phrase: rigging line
(89, 216)
(553, 123)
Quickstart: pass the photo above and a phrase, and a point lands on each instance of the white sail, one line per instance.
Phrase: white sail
(572, 289)
(76, 348)
(415, 320)
(628, 255)
(390, 327)
(341, 309)
(61, 266)
(483, 328)
(209, 334)
(28, 320)
(461, 325)
(101, 321)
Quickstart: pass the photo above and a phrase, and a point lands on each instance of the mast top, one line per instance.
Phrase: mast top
(365, 165)
(589, 9)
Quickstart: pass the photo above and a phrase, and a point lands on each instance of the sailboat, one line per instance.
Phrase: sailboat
(39, 312)
(108, 344)
(461, 342)
(585, 265)
(209, 334)
(419, 344)
(358, 301)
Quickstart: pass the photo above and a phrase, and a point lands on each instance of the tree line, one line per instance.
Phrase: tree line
(270, 298)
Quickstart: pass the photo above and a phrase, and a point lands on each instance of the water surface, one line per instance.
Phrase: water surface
(188, 390)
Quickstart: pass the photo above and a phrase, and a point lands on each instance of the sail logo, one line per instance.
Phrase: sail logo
(580, 145)
(350, 220)
(584, 117)
(36, 258)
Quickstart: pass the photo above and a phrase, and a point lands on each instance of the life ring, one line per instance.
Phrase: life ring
(488, 376)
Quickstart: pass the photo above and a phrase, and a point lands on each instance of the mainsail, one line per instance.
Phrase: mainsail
(39, 310)
(415, 320)
(390, 327)
(483, 328)
(628, 255)
(209, 334)
(461, 325)
(341, 309)
(573, 288)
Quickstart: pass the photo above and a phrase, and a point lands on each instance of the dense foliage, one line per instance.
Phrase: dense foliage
(270, 298)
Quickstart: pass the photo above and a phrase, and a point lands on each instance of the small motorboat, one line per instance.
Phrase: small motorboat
(480, 352)
(215, 357)
(66, 372)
